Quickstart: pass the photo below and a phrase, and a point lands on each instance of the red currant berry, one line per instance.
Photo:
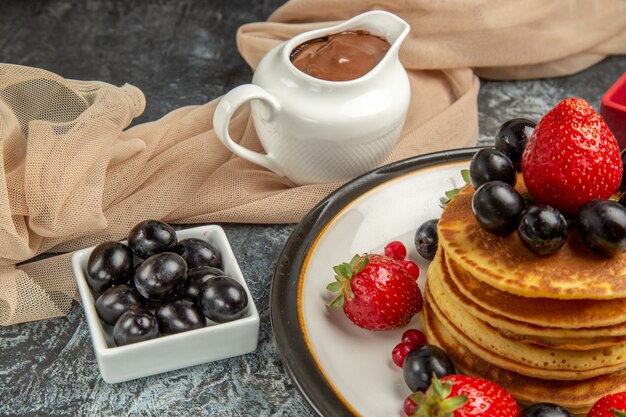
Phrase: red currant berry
(409, 406)
(414, 337)
(396, 250)
(412, 268)
(399, 353)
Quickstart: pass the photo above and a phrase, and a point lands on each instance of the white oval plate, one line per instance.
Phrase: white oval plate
(341, 369)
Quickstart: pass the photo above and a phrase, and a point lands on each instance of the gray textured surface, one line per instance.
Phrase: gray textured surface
(502, 100)
(180, 53)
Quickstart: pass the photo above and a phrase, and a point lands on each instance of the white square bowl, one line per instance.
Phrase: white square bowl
(167, 353)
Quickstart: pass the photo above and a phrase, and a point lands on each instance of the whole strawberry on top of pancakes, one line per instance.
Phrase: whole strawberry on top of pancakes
(571, 158)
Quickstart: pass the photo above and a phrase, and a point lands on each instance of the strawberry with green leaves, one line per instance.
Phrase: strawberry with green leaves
(612, 405)
(464, 396)
(376, 292)
(571, 158)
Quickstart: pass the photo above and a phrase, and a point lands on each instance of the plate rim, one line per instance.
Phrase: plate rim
(285, 315)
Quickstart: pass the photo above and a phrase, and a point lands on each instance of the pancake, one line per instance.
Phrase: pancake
(565, 343)
(568, 314)
(583, 338)
(577, 396)
(522, 358)
(573, 272)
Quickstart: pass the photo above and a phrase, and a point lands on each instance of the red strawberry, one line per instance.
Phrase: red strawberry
(376, 292)
(571, 158)
(613, 405)
(411, 267)
(464, 396)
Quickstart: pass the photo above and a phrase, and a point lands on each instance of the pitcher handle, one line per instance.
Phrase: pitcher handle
(224, 112)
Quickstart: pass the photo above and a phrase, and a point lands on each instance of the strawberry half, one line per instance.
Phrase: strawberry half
(464, 396)
(613, 405)
(571, 158)
(376, 292)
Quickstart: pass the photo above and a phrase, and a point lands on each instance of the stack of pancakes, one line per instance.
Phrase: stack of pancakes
(547, 329)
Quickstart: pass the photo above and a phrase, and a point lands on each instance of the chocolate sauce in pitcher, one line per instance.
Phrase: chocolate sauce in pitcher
(341, 56)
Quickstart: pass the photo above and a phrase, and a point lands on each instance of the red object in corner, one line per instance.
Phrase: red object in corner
(613, 110)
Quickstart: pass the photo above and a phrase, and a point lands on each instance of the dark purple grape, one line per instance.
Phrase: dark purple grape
(197, 252)
(132, 278)
(545, 410)
(512, 137)
(117, 300)
(223, 299)
(420, 364)
(151, 237)
(110, 263)
(497, 207)
(542, 229)
(426, 239)
(602, 226)
(159, 276)
(136, 325)
(491, 165)
(196, 278)
(179, 316)
(153, 305)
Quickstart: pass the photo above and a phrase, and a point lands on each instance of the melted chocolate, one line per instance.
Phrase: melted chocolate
(340, 57)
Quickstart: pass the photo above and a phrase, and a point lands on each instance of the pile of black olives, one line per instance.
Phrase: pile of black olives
(157, 285)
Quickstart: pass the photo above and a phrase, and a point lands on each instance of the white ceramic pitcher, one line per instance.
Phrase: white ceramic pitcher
(314, 130)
